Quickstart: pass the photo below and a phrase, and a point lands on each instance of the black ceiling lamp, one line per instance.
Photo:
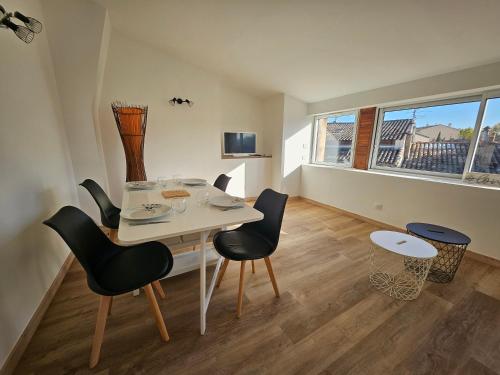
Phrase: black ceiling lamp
(175, 101)
(27, 32)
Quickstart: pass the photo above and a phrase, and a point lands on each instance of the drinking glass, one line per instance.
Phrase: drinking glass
(179, 205)
(202, 198)
(176, 178)
(162, 181)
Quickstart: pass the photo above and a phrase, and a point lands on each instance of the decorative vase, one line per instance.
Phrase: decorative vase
(131, 123)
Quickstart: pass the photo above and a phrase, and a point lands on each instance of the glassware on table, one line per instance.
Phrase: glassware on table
(162, 181)
(179, 205)
(202, 198)
(177, 179)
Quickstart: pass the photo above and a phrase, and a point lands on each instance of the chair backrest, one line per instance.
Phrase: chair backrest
(107, 209)
(272, 205)
(85, 239)
(221, 182)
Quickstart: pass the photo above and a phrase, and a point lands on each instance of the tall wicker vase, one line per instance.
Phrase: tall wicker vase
(131, 121)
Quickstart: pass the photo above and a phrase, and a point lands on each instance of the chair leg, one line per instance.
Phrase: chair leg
(113, 235)
(253, 266)
(271, 275)
(222, 272)
(159, 289)
(102, 315)
(240, 291)
(156, 312)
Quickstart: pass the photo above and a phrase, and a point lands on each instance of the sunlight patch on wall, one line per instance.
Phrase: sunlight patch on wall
(236, 186)
(296, 150)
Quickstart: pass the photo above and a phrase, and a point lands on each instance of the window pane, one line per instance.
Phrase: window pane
(487, 156)
(334, 136)
(429, 139)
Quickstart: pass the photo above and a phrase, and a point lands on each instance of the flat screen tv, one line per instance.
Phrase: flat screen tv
(239, 143)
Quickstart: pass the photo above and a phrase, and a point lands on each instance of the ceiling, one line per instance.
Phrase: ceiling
(317, 49)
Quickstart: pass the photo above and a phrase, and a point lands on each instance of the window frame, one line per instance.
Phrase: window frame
(477, 131)
(481, 97)
(355, 112)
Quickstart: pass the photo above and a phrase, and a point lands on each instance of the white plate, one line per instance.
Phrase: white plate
(194, 181)
(226, 201)
(146, 212)
(140, 185)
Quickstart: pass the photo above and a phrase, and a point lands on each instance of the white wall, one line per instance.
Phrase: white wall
(179, 139)
(469, 209)
(296, 143)
(77, 32)
(432, 87)
(37, 178)
(472, 210)
(273, 136)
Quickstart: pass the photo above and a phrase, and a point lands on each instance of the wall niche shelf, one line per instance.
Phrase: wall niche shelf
(246, 157)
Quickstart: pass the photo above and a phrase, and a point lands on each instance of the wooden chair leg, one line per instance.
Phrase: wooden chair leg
(102, 315)
(222, 272)
(110, 305)
(240, 291)
(159, 289)
(271, 275)
(156, 312)
(253, 266)
(113, 235)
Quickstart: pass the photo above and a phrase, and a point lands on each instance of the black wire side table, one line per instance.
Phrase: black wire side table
(451, 246)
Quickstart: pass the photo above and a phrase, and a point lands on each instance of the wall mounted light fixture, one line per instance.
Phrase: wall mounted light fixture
(175, 101)
(27, 32)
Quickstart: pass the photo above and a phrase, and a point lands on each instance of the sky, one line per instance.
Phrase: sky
(461, 115)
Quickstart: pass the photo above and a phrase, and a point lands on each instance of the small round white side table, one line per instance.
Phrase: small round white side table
(399, 263)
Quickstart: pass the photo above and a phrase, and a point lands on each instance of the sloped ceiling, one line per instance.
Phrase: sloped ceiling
(316, 49)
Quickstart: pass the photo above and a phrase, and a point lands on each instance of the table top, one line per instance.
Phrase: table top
(403, 244)
(196, 218)
(438, 233)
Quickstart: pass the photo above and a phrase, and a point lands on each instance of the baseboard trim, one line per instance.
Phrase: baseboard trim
(22, 343)
(468, 254)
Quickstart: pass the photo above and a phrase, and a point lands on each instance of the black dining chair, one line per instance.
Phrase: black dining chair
(222, 181)
(253, 241)
(112, 269)
(110, 216)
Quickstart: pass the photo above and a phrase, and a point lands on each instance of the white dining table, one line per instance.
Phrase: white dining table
(200, 218)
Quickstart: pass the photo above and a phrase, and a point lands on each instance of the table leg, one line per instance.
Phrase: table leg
(203, 282)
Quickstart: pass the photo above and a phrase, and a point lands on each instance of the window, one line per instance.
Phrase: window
(434, 138)
(487, 153)
(334, 138)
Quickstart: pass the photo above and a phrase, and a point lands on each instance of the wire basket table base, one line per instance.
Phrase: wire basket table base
(399, 279)
(446, 263)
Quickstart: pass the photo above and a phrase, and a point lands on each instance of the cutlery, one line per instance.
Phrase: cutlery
(149, 222)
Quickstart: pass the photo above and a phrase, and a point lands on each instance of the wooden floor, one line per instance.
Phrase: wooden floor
(328, 319)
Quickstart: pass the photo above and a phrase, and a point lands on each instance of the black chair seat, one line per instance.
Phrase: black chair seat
(242, 245)
(131, 268)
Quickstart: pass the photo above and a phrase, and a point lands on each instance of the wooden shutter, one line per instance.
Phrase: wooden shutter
(364, 137)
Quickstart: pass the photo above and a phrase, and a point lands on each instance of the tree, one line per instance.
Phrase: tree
(496, 128)
(466, 133)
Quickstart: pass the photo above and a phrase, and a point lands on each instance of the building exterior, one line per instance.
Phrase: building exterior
(439, 132)
(402, 145)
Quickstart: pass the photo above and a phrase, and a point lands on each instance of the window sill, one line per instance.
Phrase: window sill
(433, 179)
